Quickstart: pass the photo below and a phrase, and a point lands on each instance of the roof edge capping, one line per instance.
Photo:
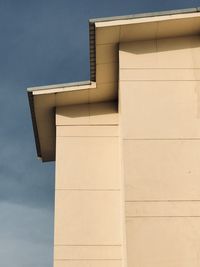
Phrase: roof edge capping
(59, 86)
(147, 14)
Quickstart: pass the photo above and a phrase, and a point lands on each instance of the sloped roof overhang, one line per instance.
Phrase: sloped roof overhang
(105, 36)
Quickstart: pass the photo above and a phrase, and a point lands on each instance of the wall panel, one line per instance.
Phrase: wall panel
(88, 202)
(159, 93)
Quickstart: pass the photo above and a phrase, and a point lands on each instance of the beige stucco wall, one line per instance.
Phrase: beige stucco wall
(160, 130)
(88, 202)
(127, 182)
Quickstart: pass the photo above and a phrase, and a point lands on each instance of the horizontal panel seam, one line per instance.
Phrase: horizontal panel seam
(74, 189)
(163, 68)
(90, 127)
(102, 83)
(87, 135)
(121, 80)
(88, 259)
(157, 81)
(178, 200)
(74, 125)
(161, 139)
(105, 44)
(108, 62)
(86, 245)
(164, 216)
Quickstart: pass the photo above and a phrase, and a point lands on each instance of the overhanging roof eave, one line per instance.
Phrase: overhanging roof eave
(51, 90)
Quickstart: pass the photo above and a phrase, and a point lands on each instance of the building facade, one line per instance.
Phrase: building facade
(127, 145)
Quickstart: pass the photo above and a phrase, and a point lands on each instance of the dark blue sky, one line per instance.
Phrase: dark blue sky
(42, 42)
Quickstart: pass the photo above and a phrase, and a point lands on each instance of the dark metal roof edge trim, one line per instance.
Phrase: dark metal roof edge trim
(146, 15)
(92, 43)
(56, 86)
(34, 124)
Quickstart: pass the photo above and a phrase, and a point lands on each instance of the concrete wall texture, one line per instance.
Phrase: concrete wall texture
(88, 211)
(153, 144)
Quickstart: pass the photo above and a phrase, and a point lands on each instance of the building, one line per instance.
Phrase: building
(127, 145)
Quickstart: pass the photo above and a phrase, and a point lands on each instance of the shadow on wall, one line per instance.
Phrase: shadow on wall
(108, 109)
(162, 45)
